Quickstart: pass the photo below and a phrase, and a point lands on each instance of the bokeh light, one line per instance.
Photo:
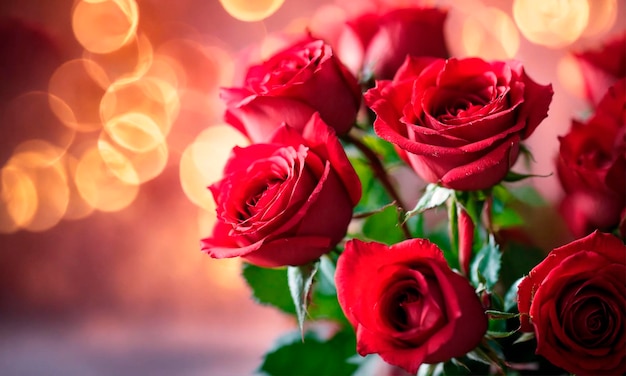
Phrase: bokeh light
(251, 10)
(202, 67)
(551, 23)
(131, 166)
(30, 115)
(80, 89)
(135, 131)
(132, 60)
(155, 98)
(99, 186)
(18, 199)
(491, 34)
(77, 206)
(571, 76)
(602, 17)
(104, 26)
(40, 162)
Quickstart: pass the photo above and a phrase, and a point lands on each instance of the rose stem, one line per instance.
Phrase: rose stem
(381, 175)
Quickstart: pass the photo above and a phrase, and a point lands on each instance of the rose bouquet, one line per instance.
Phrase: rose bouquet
(447, 282)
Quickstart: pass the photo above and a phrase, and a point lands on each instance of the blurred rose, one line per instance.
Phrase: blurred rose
(406, 304)
(592, 166)
(575, 302)
(304, 78)
(459, 122)
(285, 202)
(603, 66)
(378, 43)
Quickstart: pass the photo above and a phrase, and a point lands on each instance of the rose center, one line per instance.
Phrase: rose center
(408, 305)
(589, 319)
(268, 190)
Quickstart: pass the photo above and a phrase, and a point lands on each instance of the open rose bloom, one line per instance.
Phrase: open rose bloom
(575, 302)
(284, 202)
(406, 304)
(304, 78)
(459, 122)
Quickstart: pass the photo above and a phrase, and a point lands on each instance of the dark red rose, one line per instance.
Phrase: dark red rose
(601, 67)
(378, 43)
(575, 302)
(406, 304)
(459, 122)
(284, 202)
(592, 166)
(302, 79)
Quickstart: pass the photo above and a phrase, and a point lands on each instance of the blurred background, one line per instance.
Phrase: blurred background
(110, 130)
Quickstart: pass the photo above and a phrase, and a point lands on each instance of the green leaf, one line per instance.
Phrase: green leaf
(528, 195)
(479, 355)
(384, 227)
(326, 277)
(473, 203)
(436, 369)
(514, 176)
(269, 287)
(314, 356)
(517, 261)
(486, 264)
(433, 196)
(370, 213)
(374, 196)
(300, 280)
(495, 334)
(506, 217)
(382, 148)
(324, 303)
(499, 315)
(525, 337)
(510, 298)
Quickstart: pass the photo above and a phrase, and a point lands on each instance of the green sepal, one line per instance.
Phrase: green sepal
(485, 267)
(300, 280)
(433, 196)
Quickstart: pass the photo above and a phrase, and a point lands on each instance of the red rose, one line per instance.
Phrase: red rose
(285, 202)
(575, 301)
(289, 87)
(603, 66)
(592, 166)
(459, 122)
(380, 42)
(406, 304)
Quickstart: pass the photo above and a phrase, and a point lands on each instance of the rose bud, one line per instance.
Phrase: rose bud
(459, 122)
(591, 167)
(378, 43)
(466, 239)
(285, 202)
(304, 78)
(575, 302)
(406, 304)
